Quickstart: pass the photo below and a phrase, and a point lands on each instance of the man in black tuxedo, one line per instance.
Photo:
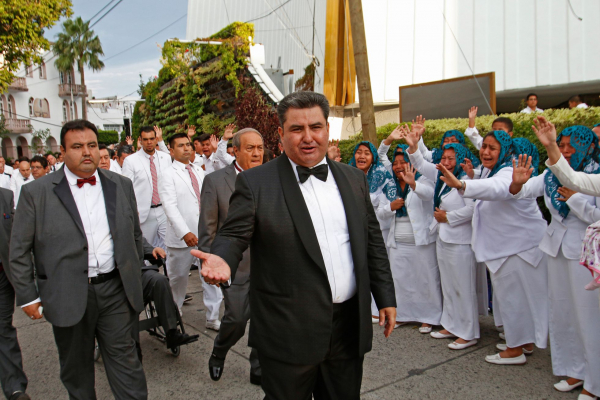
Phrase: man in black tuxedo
(317, 255)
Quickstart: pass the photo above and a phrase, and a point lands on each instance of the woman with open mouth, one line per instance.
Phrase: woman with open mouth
(506, 237)
(411, 247)
(574, 312)
(456, 260)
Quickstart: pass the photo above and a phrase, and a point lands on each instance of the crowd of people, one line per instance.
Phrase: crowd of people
(411, 238)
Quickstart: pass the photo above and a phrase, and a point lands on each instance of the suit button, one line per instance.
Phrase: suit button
(85, 271)
(85, 248)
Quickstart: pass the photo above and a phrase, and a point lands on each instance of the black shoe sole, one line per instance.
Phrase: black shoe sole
(255, 379)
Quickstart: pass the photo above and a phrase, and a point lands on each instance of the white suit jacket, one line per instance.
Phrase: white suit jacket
(137, 168)
(180, 203)
(419, 204)
(502, 225)
(566, 232)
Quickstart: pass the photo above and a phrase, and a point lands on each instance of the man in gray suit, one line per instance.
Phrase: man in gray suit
(82, 225)
(216, 191)
(12, 377)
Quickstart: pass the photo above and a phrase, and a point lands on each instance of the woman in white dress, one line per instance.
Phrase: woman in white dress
(506, 236)
(381, 185)
(457, 264)
(574, 312)
(411, 247)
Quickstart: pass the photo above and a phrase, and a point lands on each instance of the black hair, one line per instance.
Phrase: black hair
(204, 137)
(147, 129)
(229, 145)
(177, 136)
(41, 160)
(529, 95)
(506, 121)
(575, 99)
(302, 100)
(102, 146)
(76, 125)
(125, 149)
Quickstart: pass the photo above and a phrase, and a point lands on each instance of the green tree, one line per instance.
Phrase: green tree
(22, 25)
(78, 44)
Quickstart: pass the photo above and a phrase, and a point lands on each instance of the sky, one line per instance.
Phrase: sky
(127, 24)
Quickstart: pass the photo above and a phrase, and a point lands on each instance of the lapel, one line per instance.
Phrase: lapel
(182, 173)
(109, 190)
(231, 177)
(142, 161)
(63, 192)
(353, 217)
(298, 210)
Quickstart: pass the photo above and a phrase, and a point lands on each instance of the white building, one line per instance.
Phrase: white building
(110, 113)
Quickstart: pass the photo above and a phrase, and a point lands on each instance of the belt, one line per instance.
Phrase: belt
(101, 278)
(156, 205)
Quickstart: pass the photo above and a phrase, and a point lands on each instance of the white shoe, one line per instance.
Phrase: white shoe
(502, 335)
(503, 347)
(425, 329)
(586, 397)
(440, 335)
(496, 359)
(461, 346)
(213, 324)
(563, 386)
(399, 324)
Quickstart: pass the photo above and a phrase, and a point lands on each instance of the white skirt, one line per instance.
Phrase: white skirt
(521, 299)
(458, 274)
(417, 282)
(574, 322)
(374, 309)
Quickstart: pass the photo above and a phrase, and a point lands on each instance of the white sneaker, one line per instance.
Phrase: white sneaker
(586, 397)
(503, 347)
(502, 335)
(399, 324)
(496, 359)
(563, 386)
(213, 324)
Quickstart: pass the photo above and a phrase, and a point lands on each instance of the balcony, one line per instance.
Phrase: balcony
(64, 89)
(15, 125)
(19, 84)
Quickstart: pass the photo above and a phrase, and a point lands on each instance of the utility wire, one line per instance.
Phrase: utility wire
(227, 12)
(36, 120)
(272, 11)
(106, 13)
(102, 9)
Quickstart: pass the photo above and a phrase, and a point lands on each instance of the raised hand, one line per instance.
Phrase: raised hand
(472, 116)
(214, 143)
(448, 178)
(191, 132)
(409, 176)
(333, 151)
(566, 193)
(545, 131)
(229, 129)
(412, 139)
(214, 269)
(395, 135)
(418, 126)
(467, 166)
(129, 140)
(521, 173)
(158, 132)
(440, 215)
(397, 204)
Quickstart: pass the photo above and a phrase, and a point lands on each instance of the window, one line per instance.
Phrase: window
(62, 77)
(42, 69)
(45, 108)
(30, 103)
(2, 100)
(73, 110)
(65, 111)
(11, 108)
(29, 71)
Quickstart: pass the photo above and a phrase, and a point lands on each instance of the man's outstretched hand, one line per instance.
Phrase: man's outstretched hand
(214, 269)
(387, 316)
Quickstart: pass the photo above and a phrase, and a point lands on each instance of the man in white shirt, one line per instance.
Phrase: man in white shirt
(122, 153)
(144, 168)
(4, 174)
(499, 124)
(24, 177)
(104, 157)
(51, 162)
(206, 146)
(532, 101)
(576, 102)
(222, 148)
(180, 187)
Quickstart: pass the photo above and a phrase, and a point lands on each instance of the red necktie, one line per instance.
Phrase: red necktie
(194, 182)
(91, 180)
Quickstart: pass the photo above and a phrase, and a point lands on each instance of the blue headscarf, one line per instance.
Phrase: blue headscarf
(402, 212)
(506, 151)
(437, 153)
(524, 146)
(378, 175)
(460, 152)
(585, 158)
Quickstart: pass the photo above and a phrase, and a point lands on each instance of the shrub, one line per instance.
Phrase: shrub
(108, 137)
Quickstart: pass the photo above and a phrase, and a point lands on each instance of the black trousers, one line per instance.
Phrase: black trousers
(109, 318)
(12, 377)
(338, 377)
(156, 288)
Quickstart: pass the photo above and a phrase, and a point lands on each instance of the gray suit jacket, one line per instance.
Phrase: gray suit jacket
(217, 189)
(6, 210)
(48, 223)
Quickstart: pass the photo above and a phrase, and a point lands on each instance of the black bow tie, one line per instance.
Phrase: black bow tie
(319, 172)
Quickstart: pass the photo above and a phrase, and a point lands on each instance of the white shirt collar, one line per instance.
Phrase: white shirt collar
(294, 165)
(148, 155)
(72, 178)
(180, 164)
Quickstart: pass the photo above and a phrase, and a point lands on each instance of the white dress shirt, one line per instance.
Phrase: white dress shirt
(224, 158)
(5, 180)
(528, 110)
(211, 164)
(92, 210)
(115, 167)
(16, 182)
(582, 105)
(326, 210)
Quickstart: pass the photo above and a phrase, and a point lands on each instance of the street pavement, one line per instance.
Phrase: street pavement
(408, 365)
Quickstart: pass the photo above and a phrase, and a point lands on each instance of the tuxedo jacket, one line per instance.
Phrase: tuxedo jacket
(6, 210)
(48, 223)
(290, 296)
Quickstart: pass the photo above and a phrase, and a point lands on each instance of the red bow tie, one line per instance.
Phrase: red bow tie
(91, 180)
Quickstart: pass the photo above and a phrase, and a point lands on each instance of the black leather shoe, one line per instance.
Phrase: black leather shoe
(176, 338)
(215, 367)
(19, 396)
(255, 379)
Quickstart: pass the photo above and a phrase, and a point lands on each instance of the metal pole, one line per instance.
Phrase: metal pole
(361, 61)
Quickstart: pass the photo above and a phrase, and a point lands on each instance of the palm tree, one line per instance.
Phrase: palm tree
(77, 44)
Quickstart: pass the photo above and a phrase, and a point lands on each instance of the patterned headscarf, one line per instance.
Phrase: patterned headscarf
(585, 158)
(402, 212)
(460, 152)
(506, 151)
(437, 153)
(524, 146)
(378, 176)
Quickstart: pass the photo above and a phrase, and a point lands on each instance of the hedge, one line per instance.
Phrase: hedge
(434, 129)
(108, 137)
